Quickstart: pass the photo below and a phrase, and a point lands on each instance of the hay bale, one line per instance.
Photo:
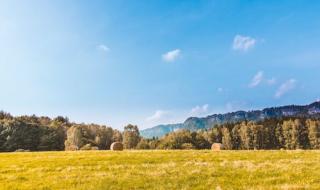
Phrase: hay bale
(217, 147)
(116, 146)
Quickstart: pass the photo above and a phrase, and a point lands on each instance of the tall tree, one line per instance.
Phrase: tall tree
(200, 141)
(258, 136)
(294, 134)
(131, 136)
(215, 135)
(314, 133)
(116, 136)
(103, 137)
(246, 136)
(290, 135)
(75, 138)
(236, 138)
(281, 142)
(226, 138)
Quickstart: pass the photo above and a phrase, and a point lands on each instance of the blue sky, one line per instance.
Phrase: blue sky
(148, 62)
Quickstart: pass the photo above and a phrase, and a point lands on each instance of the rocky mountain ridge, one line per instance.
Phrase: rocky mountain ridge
(197, 123)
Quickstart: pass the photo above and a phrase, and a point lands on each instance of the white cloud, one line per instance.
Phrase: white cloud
(199, 110)
(259, 78)
(285, 87)
(243, 43)
(157, 116)
(103, 47)
(256, 80)
(171, 55)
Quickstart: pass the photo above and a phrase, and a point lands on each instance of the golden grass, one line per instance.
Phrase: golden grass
(160, 169)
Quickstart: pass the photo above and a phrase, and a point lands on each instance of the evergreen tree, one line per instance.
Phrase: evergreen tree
(257, 135)
(279, 137)
(215, 135)
(236, 138)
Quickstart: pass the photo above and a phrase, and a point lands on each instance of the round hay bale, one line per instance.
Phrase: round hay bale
(217, 147)
(116, 146)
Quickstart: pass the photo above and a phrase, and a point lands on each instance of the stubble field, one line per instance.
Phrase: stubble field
(161, 169)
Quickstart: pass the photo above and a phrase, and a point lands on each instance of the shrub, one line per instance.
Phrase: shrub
(187, 146)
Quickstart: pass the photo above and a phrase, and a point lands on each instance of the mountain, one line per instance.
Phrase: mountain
(196, 123)
(160, 130)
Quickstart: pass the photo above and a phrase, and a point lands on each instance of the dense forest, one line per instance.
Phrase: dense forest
(32, 133)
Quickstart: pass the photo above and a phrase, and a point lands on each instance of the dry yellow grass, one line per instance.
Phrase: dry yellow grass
(190, 169)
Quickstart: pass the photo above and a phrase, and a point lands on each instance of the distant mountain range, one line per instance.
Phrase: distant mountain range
(196, 123)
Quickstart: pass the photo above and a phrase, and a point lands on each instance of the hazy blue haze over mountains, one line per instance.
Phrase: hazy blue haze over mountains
(195, 123)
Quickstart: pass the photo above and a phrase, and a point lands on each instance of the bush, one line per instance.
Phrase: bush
(187, 146)
(143, 144)
(22, 150)
(86, 147)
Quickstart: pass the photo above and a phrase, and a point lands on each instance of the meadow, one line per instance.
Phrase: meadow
(161, 169)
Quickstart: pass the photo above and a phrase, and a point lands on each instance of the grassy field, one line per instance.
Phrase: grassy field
(161, 170)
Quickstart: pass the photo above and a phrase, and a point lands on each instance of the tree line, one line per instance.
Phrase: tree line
(45, 134)
(283, 133)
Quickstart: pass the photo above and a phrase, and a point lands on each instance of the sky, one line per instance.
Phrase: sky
(150, 62)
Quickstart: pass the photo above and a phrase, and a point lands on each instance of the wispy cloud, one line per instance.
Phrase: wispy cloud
(171, 55)
(157, 116)
(259, 78)
(199, 110)
(243, 43)
(285, 87)
(256, 80)
(103, 48)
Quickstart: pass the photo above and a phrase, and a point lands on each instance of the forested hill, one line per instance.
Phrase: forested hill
(195, 123)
